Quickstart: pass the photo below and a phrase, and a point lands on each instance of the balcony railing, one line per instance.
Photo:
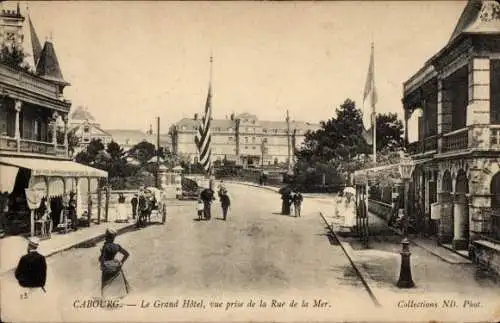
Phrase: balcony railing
(430, 144)
(32, 146)
(495, 137)
(29, 82)
(456, 140)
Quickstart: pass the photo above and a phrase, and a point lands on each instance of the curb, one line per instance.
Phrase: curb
(258, 186)
(89, 241)
(92, 240)
(346, 247)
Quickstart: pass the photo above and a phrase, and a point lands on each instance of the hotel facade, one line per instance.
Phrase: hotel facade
(243, 138)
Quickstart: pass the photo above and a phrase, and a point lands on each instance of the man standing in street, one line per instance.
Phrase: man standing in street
(134, 202)
(297, 203)
(207, 195)
(225, 202)
(31, 272)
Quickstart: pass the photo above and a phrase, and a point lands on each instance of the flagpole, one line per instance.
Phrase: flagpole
(374, 116)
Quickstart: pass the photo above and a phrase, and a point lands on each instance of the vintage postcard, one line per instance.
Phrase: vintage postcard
(245, 161)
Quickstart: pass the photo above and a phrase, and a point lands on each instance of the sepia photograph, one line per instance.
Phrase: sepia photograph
(250, 161)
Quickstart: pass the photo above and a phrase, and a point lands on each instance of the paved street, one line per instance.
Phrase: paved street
(257, 252)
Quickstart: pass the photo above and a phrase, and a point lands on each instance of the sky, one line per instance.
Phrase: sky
(129, 62)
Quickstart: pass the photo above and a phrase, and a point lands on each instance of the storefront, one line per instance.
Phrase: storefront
(29, 184)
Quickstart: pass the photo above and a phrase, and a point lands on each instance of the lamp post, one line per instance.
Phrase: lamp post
(406, 167)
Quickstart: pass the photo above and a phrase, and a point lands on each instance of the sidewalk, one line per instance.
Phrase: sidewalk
(436, 270)
(13, 247)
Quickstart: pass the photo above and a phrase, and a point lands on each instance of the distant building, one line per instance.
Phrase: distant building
(128, 138)
(243, 138)
(83, 124)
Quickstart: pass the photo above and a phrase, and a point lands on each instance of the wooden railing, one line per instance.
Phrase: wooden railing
(456, 140)
(27, 81)
(32, 146)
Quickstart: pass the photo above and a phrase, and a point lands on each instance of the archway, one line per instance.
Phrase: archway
(461, 212)
(495, 205)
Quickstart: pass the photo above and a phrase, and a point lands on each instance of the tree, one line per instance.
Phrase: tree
(389, 132)
(143, 151)
(89, 155)
(13, 56)
(114, 150)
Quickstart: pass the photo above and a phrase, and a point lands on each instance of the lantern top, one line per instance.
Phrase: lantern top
(406, 166)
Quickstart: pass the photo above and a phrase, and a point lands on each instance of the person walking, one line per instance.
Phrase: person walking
(225, 202)
(134, 203)
(31, 271)
(143, 207)
(113, 281)
(207, 195)
(297, 203)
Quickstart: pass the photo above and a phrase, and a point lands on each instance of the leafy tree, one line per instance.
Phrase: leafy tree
(89, 155)
(389, 132)
(143, 151)
(13, 56)
(114, 150)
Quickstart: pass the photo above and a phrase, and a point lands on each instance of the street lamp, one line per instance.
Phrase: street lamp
(406, 167)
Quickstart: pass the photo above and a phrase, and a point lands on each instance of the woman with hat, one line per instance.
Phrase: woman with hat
(113, 281)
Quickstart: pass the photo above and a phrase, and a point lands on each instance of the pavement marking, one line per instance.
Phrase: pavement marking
(346, 246)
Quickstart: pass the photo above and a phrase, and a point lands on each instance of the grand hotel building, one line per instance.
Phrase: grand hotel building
(243, 138)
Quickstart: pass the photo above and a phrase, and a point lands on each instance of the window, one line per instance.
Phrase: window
(248, 129)
(264, 130)
(253, 139)
(275, 131)
(246, 139)
(253, 122)
(495, 91)
(253, 147)
(246, 147)
(230, 138)
(229, 129)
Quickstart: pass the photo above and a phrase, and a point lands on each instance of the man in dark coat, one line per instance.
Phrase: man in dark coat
(143, 209)
(134, 202)
(207, 196)
(225, 202)
(31, 272)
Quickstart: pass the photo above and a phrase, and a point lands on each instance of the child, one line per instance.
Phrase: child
(200, 207)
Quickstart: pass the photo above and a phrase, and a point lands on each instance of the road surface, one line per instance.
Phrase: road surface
(257, 253)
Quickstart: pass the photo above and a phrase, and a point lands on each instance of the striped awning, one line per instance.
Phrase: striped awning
(48, 167)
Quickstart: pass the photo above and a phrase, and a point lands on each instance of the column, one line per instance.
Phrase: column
(17, 133)
(54, 130)
(478, 110)
(459, 224)
(443, 112)
(65, 119)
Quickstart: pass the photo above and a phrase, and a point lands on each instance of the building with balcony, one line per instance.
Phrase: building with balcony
(457, 178)
(34, 160)
(243, 138)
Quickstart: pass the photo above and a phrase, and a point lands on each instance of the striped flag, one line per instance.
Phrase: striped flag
(371, 93)
(203, 137)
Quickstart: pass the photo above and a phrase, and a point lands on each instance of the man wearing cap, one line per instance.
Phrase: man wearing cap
(31, 272)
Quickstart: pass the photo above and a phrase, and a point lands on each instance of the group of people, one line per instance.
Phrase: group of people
(290, 199)
(207, 196)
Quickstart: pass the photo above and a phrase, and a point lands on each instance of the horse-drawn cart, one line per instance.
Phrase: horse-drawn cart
(158, 207)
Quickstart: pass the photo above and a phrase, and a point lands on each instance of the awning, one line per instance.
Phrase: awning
(48, 167)
(8, 176)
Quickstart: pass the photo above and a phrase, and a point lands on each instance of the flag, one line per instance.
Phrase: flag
(203, 137)
(371, 93)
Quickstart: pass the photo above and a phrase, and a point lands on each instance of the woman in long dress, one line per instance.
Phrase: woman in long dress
(113, 281)
(121, 211)
(349, 211)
